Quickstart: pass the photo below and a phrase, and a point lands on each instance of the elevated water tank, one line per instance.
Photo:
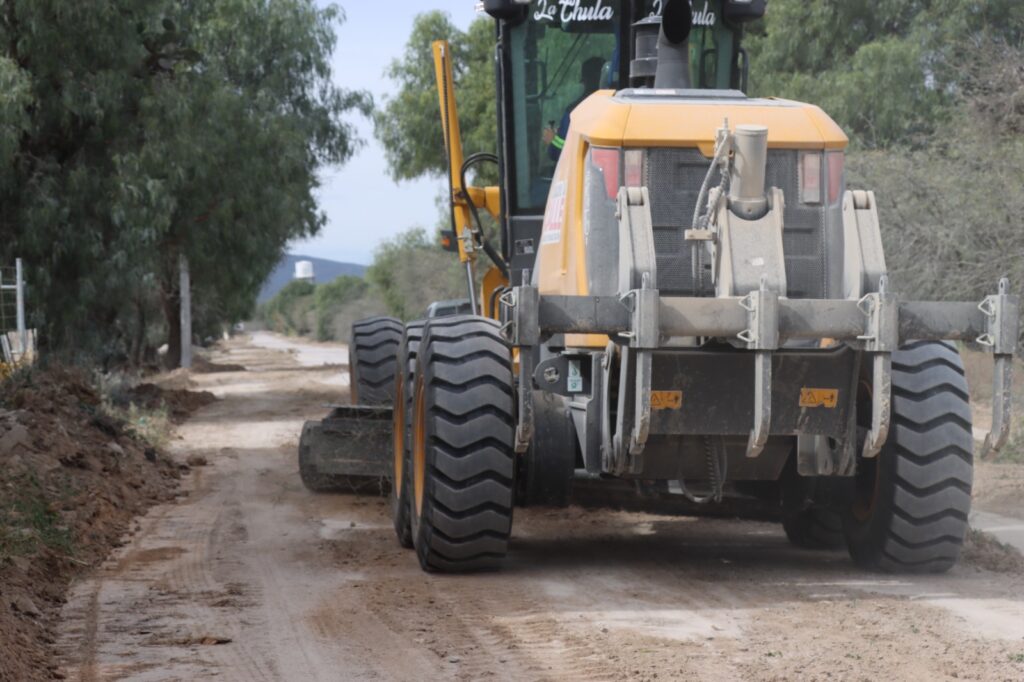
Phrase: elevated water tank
(304, 270)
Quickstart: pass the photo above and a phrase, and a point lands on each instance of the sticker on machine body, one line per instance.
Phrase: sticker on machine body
(554, 215)
(574, 382)
(819, 397)
(666, 400)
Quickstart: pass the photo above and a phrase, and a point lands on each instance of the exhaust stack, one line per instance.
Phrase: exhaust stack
(673, 69)
(747, 197)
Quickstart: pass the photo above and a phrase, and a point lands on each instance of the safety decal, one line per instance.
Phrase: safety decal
(554, 215)
(819, 397)
(666, 400)
(574, 382)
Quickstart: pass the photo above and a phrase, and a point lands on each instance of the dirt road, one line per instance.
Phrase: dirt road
(251, 577)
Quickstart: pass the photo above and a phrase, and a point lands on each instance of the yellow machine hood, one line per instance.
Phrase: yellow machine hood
(632, 119)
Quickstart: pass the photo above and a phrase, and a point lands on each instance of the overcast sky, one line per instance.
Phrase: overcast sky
(362, 203)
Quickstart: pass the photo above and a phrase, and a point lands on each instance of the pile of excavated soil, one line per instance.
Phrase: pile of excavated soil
(179, 402)
(71, 480)
(985, 551)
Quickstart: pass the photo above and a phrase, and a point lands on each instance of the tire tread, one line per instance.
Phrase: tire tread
(922, 520)
(372, 359)
(467, 516)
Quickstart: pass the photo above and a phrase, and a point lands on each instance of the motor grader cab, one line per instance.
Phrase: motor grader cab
(688, 305)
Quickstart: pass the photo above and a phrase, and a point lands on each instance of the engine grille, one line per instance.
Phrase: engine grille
(674, 177)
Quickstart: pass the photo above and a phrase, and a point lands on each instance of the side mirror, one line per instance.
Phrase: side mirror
(740, 11)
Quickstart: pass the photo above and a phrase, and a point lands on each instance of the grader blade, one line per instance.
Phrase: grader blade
(349, 450)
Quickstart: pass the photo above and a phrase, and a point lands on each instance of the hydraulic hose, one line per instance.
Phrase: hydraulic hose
(485, 244)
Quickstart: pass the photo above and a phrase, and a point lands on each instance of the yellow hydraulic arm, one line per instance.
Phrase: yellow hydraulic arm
(462, 199)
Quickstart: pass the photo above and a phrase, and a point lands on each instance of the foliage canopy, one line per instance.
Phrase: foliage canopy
(888, 71)
(407, 124)
(140, 131)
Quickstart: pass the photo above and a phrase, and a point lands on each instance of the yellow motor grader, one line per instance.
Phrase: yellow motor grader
(687, 305)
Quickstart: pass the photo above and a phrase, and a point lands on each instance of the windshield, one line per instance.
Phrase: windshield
(567, 49)
(563, 52)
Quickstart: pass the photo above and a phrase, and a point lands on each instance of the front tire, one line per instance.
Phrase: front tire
(400, 427)
(463, 458)
(910, 506)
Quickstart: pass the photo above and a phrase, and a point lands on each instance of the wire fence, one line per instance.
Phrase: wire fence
(8, 298)
(17, 342)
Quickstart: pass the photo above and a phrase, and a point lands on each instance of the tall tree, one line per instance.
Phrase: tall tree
(407, 124)
(958, 199)
(235, 141)
(135, 131)
(887, 70)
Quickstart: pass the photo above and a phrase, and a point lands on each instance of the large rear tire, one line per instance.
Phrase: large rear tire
(401, 423)
(463, 457)
(910, 504)
(371, 360)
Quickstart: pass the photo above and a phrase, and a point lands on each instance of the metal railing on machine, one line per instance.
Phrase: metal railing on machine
(17, 341)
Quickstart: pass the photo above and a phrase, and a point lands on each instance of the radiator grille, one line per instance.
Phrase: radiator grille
(674, 177)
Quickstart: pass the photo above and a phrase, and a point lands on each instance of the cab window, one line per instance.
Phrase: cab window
(560, 54)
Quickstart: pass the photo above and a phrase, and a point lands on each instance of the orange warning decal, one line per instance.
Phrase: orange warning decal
(666, 400)
(819, 397)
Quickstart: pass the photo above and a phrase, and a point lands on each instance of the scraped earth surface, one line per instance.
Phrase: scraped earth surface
(252, 577)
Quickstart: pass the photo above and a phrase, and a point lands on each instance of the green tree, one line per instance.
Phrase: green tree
(333, 299)
(292, 309)
(407, 124)
(410, 273)
(886, 70)
(137, 131)
(959, 199)
(240, 162)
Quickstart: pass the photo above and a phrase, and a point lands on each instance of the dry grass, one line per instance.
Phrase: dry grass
(151, 423)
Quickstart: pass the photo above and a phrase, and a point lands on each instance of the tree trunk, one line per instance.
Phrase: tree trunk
(138, 348)
(172, 313)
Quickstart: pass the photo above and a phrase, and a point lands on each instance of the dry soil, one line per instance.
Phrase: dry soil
(252, 577)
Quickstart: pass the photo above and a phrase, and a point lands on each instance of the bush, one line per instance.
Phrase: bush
(339, 324)
(950, 213)
(325, 311)
(292, 310)
(411, 272)
(332, 299)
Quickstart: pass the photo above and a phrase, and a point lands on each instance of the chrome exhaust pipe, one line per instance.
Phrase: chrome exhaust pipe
(747, 197)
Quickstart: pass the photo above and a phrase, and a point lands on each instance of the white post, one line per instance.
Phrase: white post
(186, 313)
(20, 300)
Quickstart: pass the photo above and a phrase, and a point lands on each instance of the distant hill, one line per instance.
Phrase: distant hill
(324, 271)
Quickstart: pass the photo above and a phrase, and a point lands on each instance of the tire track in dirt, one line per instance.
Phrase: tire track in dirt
(193, 580)
(465, 632)
(88, 610)
(314, 587)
